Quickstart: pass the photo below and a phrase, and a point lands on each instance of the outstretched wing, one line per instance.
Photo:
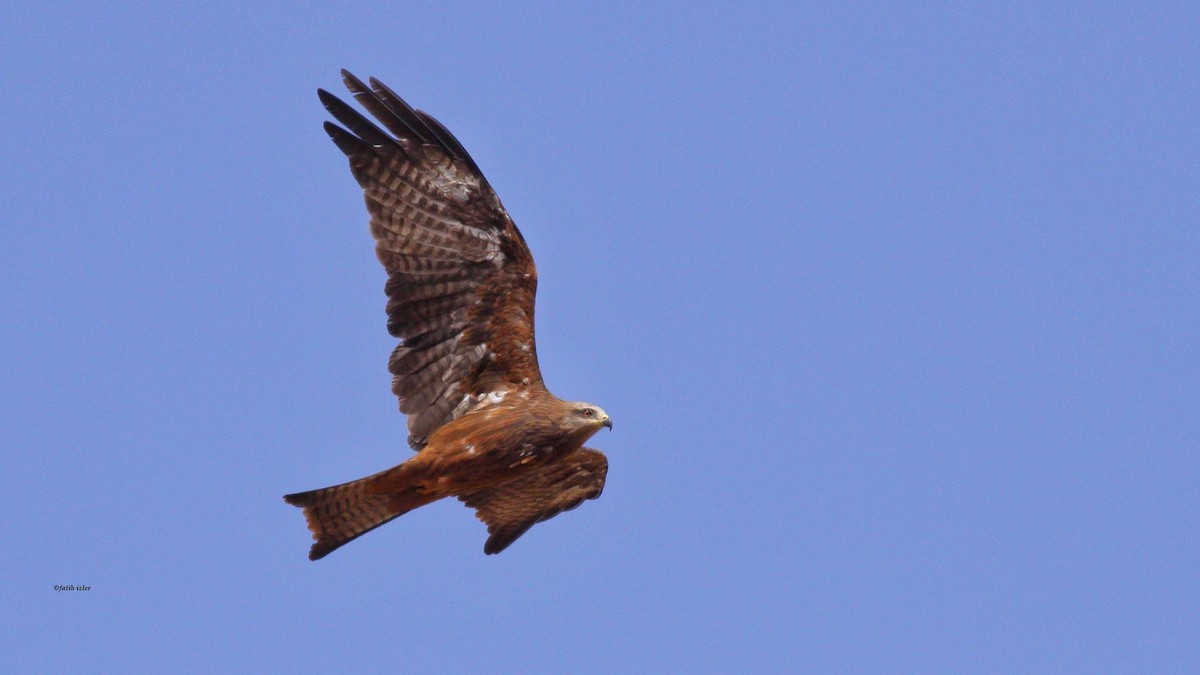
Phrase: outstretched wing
(461, 280)
(512, 508)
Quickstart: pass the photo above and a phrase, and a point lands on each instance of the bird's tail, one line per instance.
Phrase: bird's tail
(338, 514)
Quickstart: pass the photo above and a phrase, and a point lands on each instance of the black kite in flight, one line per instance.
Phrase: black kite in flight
(460, 289)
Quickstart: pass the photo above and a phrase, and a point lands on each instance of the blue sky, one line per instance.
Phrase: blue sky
(895, 310)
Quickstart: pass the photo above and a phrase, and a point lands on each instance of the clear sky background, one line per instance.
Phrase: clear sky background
(896, 311)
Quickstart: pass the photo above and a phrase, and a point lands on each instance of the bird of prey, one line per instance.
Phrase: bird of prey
(460, 291)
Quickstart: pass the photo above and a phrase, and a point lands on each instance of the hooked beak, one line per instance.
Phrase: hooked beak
(607, 423)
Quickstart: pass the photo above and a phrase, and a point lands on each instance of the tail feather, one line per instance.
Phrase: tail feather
(339, 514)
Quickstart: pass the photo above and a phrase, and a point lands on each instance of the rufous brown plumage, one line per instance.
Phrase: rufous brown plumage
(460, 289)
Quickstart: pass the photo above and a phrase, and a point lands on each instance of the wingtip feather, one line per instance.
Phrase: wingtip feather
(347, 142)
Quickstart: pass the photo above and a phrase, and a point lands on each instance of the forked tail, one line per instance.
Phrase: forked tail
(336, 515)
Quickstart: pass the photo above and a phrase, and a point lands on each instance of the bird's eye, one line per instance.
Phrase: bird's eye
(587, 412)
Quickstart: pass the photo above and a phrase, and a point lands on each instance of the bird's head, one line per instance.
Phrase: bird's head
(587, 417)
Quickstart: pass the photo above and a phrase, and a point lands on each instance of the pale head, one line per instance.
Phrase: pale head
(582, 415)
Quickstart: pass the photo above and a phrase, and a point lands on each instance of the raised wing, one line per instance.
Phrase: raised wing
(461, 281)
(512, 508)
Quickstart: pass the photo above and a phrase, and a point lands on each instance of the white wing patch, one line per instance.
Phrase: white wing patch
(472, 402)
(493, 397)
